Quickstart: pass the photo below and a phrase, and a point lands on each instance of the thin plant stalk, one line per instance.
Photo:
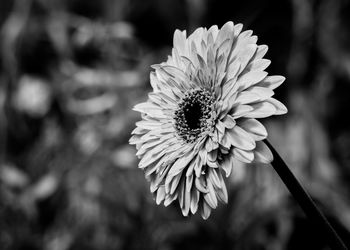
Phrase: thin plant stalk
(305, 201)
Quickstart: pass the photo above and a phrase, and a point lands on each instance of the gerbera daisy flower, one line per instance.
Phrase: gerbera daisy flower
(202, 116)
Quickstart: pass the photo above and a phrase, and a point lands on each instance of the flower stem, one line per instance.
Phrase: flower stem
(305, 201)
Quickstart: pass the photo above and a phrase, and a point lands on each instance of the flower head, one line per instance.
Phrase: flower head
(202, 116)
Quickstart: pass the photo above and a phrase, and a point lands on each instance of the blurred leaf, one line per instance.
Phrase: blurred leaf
(13, 177)
(124, 157)
(45, 187)
(33, 96)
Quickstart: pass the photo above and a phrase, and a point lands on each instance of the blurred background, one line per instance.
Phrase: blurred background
(70, 72)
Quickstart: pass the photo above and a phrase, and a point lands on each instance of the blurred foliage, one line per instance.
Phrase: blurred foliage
(70, 72)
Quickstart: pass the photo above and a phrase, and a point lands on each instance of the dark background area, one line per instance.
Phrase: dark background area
(70, 72)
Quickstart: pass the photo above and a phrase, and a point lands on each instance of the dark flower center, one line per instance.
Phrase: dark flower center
(194, 114)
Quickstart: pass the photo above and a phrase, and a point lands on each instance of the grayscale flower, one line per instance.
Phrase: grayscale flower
(202, 116)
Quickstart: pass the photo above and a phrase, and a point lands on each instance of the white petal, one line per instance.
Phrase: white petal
(180, 42)
(264, 93)
(224, 48)
(158, 178)
(280, 108)
(181, 193)
(190, 168)
(189, 181)
(220, 74)
(245, 34)
(170, 81)
(151, 110)
(243, 155)
(210, 197)
(258, 65)
(240, 138)
(261, 51)
(169, 98)
(246, 97)
(222, 192)
(172, 153)
(155, 83)
(229, 89)
(194, 53)
(196, 38)
(250, 78)
(135, 139)
(200, 184)
(194, 200)
(205, 211)
(272, 82)
(169, 199)
(224, 39)
(148, 145)
(212, 155)
(225, 33)
(150, 135)
(233, 69)
(237, 29)
(150, 125)
(212, 164)
(164, 98)
(261, 110)
(180, 78)
(262, 153)
(176, 59)
(220, 126)
(214, 178)
(203, 65)
(226, 141)
(145, 107)
(211, 145)
(180, 164)
(153, 186)
(150, 157)
(212, 34)
(229, 122)
(254, 128)
(227, 164)
(201, 160)
(156, 145)
(160, 195)
(242, 110)
(227, 103)
(211, 60)
(188, 64)
(203, 49)
(198, 34)
(153, 168)
(170, 186)
(243, 54)
(223, 150)
(139, 131)
(187, 201)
